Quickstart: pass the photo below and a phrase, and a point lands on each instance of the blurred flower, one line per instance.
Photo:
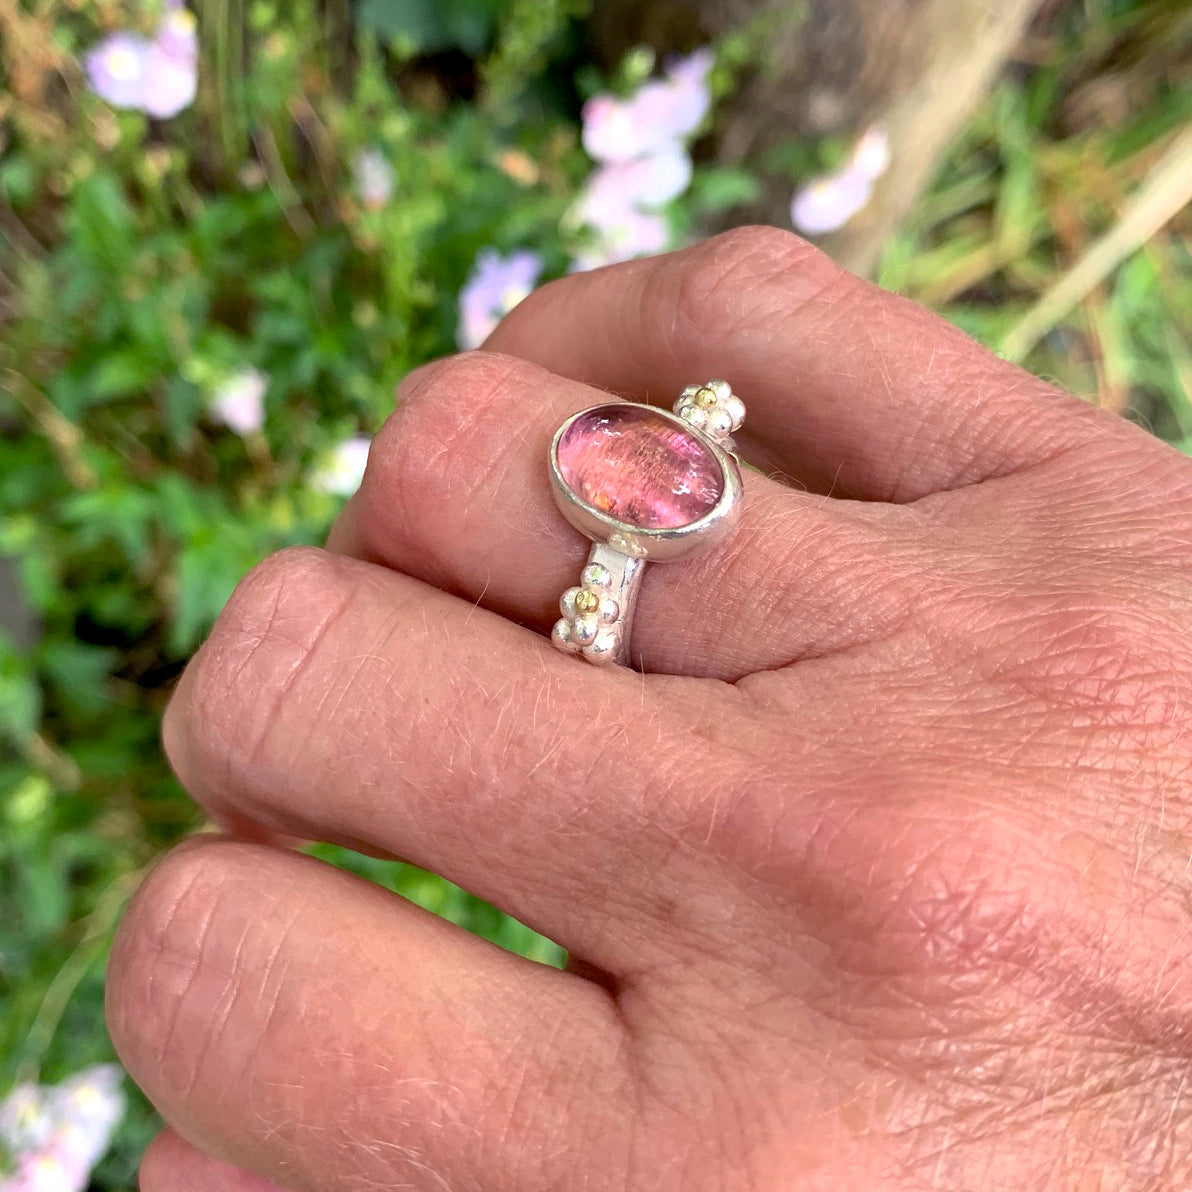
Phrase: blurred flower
(827, 203)
(158, 76)
(871, 154)
(25, 1123)
(374, 178)
(690, 77)
(658, 113)
(343, 470)
(116, 69)
(497, 284)
(58, 1134)
(633, 234)
(172, 75)
(644, 163)
(239, 403)
(612, 130)
(642, 183)
(47, 1172)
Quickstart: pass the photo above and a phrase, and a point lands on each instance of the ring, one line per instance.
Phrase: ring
(645, 485)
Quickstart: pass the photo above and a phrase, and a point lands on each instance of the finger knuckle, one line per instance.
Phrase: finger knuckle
(745, 275)
(219, 727)
(446, 424)
(455, 392)
(159, 1004)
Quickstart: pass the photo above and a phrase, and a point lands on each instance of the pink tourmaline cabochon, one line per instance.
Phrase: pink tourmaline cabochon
(635, 465)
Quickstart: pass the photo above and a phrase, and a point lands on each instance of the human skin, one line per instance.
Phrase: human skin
(875, 875)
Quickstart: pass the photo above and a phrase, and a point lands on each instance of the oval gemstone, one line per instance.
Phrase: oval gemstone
(637, 466)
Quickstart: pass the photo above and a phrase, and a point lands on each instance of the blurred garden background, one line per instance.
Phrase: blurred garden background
(227, 230)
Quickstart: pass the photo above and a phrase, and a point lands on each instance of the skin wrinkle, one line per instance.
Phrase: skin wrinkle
(491, 383)
(454, 762)
(223, 1003)
(178, 1002)
(266, 634)
(215, 703)
(662, 293)
(267, 1006)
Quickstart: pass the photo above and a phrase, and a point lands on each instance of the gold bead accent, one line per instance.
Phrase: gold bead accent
(706, 398)
(587, 601)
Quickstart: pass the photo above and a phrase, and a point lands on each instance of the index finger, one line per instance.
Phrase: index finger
(850, 389)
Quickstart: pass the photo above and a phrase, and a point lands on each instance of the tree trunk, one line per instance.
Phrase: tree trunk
(833, 67)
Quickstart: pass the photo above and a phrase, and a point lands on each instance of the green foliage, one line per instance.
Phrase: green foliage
(1045, 168)
(142, 265)
(428, 25)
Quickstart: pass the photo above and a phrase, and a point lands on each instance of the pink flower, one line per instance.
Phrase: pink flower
(643, 183)
(690, 75)
(659, 112)
(827, 203)
(612, 129)
(644, 163)
(239, 403)
(632, 234)
(47, 1171)
(157, 76)
(496, 285)
(343, 470)
(620, 205)
(116, 69)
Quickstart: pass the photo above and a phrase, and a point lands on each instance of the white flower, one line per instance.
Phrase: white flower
(342, 471)
(239, 403)
(374, 178)
(871, 154)
(25, 1121)
(57, 1135)
(494, 287)
(828, 203)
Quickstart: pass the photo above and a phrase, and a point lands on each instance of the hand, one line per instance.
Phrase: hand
(877, 879)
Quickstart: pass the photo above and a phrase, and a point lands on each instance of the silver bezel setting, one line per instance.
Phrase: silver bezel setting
(656, 545)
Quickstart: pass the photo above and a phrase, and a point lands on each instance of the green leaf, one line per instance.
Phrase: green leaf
(430, 25)
(122, 372)
(718, 190)
(20, 697)
(18, 182)
(44, 892)
(102, 221)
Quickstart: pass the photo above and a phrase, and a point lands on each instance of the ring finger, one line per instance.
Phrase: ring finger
(456, 494)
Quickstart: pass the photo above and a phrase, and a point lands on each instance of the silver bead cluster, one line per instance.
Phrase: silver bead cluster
(589, 613)
(713, 408)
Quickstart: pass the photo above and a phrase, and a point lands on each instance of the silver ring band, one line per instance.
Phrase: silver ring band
(645, 485)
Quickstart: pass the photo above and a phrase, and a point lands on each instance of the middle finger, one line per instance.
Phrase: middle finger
(341, 701)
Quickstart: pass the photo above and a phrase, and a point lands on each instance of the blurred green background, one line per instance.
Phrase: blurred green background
(144, 263)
